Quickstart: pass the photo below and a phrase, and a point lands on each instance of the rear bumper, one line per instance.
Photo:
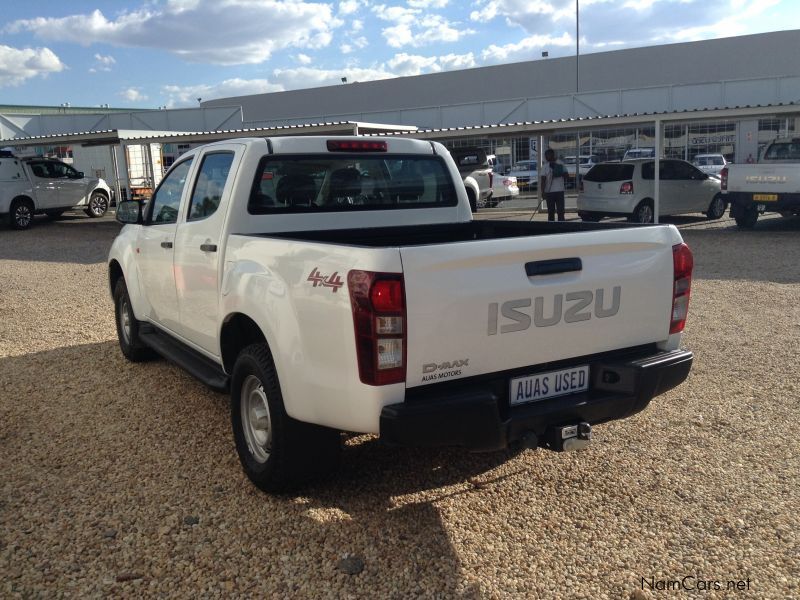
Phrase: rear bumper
(479, 418)
(742, 201)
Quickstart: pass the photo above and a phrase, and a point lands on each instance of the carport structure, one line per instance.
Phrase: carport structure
(658, 120)
(120, 139)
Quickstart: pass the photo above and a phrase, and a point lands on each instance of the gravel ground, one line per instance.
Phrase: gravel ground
(122, 479)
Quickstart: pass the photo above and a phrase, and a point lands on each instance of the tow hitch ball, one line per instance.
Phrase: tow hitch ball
(569, 437)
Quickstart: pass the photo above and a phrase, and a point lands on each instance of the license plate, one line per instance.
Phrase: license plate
(548, 385)
(765, 197)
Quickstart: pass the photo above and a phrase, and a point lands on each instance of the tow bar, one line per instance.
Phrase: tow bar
(568, 437)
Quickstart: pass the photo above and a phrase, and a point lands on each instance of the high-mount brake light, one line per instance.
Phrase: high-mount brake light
(355, 146)
(379, 321)
(683, 263)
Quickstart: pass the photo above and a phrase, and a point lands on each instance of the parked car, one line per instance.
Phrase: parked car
(525, 172)
(772, 185)
(635, 153)
(341, 284)
(586, 162)
(710, 163)
(476, 173)
(627, 188)
(49, 186)
(504, 187)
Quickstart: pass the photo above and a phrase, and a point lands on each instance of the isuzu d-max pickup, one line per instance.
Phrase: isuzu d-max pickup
(772, 185)
(340, 285)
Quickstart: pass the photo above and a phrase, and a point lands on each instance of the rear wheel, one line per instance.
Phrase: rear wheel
(746, 218)
(717, 208)
(20, 213)
(473, 203)
(643, 213)
(277, 452)
(98, 205)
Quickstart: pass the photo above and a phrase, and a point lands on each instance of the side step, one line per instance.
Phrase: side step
(186, 358)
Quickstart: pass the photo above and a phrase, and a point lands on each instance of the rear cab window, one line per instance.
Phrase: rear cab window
(322, 183)
(606, 172)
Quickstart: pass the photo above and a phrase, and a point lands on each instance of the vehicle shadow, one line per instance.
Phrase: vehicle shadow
(73, 238)
(137, 449)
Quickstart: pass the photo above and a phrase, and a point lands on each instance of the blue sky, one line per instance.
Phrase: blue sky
(147, 53)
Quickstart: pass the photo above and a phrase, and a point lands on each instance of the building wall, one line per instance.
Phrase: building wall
(755, 69)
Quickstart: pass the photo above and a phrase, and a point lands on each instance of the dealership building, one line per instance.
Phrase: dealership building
(729, 96)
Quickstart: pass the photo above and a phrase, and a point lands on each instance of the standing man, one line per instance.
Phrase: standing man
(553, 176)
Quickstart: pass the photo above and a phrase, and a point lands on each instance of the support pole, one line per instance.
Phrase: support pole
(115, 168)
(657, 174)
(539, 154)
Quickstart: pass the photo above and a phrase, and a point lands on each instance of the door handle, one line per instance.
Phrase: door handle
(208, 247)
(166, 244)
(550, 267)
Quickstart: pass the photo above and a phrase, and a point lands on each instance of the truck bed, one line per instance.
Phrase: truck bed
(423, 235)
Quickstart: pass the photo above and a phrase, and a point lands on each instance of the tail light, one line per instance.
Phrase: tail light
(683, 263)
(379, 320)
(491, 178)
(723, 175)
(580, 186)
(626, 188)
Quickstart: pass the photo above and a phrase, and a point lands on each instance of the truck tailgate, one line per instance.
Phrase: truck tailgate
(473, 308)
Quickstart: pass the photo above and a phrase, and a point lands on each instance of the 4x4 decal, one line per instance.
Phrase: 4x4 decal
(332, 281)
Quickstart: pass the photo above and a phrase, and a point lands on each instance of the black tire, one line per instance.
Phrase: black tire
(128, 327)
(20, 213)
(746, 218)
(590, 217)
(473, 203)
(716, 209)
(54, 214)
(286, 453)
(98, 205)
(643, 213)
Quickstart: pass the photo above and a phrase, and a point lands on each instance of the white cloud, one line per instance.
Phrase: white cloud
(224, 32)
(348, 7)
(303, 59)
(414, 28)
(188, 95)
(450, 62)
(356, 25)
(408, 64)
(428, 3)
(525, 49)
(102, 63)
(133, 95)
(17, 65)
(360, 42)
(345, 48)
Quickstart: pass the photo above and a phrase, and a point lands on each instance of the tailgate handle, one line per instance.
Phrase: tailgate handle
(549, 267)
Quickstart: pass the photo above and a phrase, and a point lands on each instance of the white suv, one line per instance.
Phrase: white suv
(627, 189)
(710, 163)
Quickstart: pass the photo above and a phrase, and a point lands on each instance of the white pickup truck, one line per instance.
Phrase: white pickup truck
(340, 284)
(49, 186)
(772, 185)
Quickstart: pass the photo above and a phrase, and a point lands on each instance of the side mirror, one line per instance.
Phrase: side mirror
(129, 212)
(79, 175)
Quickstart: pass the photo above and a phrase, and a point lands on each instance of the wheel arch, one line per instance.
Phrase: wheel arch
(23, 197)
(115, 273)
(237, 332)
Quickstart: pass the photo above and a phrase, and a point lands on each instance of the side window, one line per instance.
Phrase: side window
(58, 170)
(39, 170)
(684, 171)
(166, 200)
(209, 185)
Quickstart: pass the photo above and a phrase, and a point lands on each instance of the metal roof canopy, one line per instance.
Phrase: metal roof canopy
(113, 137)
(584, 123)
